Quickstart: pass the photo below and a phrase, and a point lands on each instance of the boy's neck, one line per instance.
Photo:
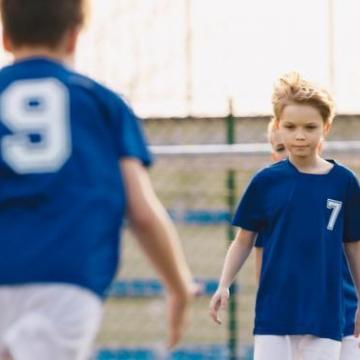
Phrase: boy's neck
(53, 54)
(312, 165)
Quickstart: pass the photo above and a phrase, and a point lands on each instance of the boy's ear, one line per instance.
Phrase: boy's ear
(327, 128)
(6, 42)
(71, 40)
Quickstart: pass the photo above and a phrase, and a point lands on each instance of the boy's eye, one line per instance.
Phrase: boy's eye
(289, 126)
(311, 127)
(280, 149)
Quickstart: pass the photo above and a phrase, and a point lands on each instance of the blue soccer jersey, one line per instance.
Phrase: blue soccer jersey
(349, 292)
(62, 197)
(350, 300)
(305, 218)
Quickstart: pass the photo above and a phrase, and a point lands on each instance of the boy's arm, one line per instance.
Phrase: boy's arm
(236, 255)
(352, 250)
(258, 261)
(159, 241)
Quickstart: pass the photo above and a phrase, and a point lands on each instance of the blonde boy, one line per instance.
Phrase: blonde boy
(307, 208)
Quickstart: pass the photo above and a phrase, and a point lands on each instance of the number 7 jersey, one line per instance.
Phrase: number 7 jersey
(304, 218)
(62, 197)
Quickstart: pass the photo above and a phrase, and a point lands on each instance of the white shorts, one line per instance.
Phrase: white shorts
(350, 348)
(295, 347)
(48, 322)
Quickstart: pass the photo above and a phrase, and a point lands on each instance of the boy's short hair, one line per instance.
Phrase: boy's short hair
(40, 22)
(270, 128)
(291, 88)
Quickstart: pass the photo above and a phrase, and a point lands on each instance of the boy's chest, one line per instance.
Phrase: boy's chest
(305, 198)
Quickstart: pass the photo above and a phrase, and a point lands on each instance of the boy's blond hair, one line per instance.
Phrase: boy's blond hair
(291, 88)
(270, 128)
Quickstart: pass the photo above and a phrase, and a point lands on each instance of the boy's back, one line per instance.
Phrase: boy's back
(61, 195)
(72, 160)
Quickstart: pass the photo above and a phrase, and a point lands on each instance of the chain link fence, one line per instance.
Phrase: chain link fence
(134, 47)
(193, 187)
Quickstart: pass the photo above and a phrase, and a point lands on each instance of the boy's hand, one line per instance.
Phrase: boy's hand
(178, 315)
(196, 289)
(357, 325)
(218, 301)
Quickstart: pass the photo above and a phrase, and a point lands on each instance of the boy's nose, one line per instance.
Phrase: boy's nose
(300, 135)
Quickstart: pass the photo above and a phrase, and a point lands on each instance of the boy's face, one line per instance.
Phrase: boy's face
(301, 129)
(279, 151)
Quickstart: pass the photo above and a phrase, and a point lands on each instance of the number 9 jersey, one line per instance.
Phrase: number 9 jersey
(62, 197)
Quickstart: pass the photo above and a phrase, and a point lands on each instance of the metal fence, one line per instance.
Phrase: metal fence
(193, 184)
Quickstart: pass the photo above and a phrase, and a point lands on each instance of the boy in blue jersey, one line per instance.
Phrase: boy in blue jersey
(307, 209)
(278, 152)
(72, 165)
(349, 348)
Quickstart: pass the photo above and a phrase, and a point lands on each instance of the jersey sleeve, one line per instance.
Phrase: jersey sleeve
(259, 241)
(127, 132)
(250, 214)
(352, 211)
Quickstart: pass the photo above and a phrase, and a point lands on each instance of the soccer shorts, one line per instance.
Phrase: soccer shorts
(43, 322)
(350, 348)
(295, 347)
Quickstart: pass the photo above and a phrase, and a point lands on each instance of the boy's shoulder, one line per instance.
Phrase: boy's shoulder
(342, 167)
(284, 167)
(344, 171)
(275, 170)
(46, 67)
(77, 79)
(101, 91)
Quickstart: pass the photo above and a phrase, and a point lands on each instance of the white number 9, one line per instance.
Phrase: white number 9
(36, 107)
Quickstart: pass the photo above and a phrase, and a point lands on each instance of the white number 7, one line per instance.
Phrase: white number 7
(335, 206)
